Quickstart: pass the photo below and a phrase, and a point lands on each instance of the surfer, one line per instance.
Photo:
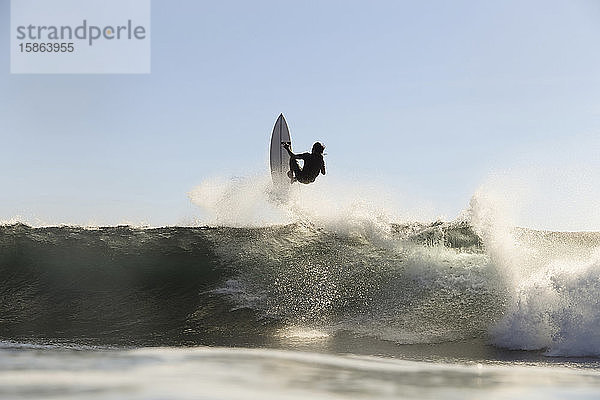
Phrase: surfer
(313, 164)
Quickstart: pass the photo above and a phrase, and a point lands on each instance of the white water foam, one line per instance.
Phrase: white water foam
(554, 281)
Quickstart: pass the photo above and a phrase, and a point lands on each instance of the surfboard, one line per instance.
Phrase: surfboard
(280, 160)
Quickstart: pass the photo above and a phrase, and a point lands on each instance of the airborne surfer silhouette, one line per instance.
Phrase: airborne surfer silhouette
(313, 164)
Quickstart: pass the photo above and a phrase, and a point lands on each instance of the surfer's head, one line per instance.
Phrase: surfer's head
(318, 148)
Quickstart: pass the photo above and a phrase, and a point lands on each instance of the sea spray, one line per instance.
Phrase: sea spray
(551, 280)
(359, 210)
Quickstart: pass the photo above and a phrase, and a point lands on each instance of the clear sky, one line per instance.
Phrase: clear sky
(429, 97)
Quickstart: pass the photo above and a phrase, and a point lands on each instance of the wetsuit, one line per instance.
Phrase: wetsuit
(313, 165)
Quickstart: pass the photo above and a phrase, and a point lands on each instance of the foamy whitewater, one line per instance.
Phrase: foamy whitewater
(326, 291)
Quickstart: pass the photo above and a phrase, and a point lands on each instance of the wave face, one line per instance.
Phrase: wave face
(411, 283)
(122, 285)
(110, 285)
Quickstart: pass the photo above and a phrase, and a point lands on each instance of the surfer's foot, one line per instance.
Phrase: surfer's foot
(286, 145)
(290, 175)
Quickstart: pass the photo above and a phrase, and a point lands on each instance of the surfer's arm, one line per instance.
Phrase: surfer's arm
(323, 168)
(292, 155)
(303, 156)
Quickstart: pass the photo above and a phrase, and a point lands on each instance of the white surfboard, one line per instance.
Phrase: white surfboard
(280, 160)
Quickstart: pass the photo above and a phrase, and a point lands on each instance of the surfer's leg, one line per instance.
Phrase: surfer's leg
(294, 169)
(294, 166)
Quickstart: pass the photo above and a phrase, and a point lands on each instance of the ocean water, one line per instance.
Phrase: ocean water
(36, 372)
(271, 299)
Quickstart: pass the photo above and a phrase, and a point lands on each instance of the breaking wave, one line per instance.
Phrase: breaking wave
(315, 262)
